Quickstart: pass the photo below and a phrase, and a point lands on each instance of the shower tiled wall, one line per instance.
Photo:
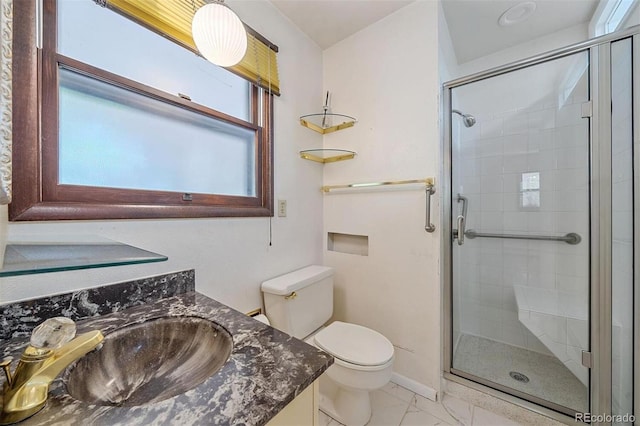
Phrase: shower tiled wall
(525, 171)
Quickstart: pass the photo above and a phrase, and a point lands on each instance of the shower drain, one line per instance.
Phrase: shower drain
(519, 377)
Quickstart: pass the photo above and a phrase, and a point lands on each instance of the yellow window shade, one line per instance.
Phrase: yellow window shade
(172, 19)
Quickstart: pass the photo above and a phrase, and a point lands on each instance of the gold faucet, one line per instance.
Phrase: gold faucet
(50, 351)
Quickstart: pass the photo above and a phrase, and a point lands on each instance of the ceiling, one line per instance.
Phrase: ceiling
(330, 21)
(488, 37)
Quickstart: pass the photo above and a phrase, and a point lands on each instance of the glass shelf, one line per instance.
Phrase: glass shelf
(327, 155)
(323, 123)
(65, 254)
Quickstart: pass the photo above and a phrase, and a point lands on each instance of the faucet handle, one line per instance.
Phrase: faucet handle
(5, 364)
(53, 333)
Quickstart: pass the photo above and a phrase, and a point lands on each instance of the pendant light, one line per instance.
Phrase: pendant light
(219, 34)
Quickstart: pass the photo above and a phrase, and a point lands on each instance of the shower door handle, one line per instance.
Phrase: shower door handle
(460, 230)
(461, 220)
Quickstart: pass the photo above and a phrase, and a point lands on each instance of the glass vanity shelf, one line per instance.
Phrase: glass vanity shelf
(36, 257)
(323, 122)
(327, 155)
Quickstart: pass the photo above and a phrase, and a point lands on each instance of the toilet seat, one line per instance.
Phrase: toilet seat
(359, 347)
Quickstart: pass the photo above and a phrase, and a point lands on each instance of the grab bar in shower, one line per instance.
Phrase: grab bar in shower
(570, 238)
(428, 226)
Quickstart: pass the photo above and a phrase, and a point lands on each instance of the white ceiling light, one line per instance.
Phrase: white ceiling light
(516, 14)
(219, 34)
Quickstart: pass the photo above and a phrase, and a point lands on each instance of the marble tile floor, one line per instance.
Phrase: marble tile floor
(394, 405)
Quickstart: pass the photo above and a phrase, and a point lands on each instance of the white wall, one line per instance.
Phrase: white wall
(633, 18)
(387, 77)
(447, 61)
(534, 47)
(231, 256)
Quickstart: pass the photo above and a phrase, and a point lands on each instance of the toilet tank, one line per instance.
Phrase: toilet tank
(305, 311)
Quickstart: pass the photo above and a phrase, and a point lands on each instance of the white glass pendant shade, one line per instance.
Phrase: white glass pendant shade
(219, 34)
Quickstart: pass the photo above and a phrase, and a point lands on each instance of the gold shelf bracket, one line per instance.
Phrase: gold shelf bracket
(312, 155)
(325, 130)
(323, 120)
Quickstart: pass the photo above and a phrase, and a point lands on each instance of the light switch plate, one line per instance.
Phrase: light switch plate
(282, 208)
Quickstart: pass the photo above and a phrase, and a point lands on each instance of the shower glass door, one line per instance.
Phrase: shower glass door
(520, 268)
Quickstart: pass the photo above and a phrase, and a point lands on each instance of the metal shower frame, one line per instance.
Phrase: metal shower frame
(600, 286)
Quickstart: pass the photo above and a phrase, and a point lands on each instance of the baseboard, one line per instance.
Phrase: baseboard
(413, 386)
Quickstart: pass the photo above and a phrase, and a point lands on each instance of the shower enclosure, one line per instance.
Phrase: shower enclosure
(539, 228)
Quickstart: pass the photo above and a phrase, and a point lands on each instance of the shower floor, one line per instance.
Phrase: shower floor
(549, 379)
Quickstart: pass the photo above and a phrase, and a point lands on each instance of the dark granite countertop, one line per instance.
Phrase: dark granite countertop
(267, 369)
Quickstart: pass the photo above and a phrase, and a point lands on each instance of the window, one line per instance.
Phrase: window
(610, 16)
(530, 191)
(132, 125)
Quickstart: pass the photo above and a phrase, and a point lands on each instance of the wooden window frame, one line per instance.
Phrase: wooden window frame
(37, 194)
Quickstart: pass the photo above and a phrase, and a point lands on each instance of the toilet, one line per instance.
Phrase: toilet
(300, 303)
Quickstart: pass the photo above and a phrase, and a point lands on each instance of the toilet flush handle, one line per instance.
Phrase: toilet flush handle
(293, 295)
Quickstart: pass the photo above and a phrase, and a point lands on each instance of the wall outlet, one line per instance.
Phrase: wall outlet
(282, 208)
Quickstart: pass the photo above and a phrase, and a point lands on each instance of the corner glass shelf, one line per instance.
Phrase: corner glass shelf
(32, 256)
(327, 155)
(324, 123)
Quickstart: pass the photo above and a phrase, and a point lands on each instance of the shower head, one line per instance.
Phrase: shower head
(468, 119)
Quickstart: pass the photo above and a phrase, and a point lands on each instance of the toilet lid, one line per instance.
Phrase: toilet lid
(355, 344)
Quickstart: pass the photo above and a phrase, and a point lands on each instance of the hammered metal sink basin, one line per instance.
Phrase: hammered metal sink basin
(150, 362)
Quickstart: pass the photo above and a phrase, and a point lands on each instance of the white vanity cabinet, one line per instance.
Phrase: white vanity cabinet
(302, 411)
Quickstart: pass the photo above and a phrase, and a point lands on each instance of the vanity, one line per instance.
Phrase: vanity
(268, 377)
